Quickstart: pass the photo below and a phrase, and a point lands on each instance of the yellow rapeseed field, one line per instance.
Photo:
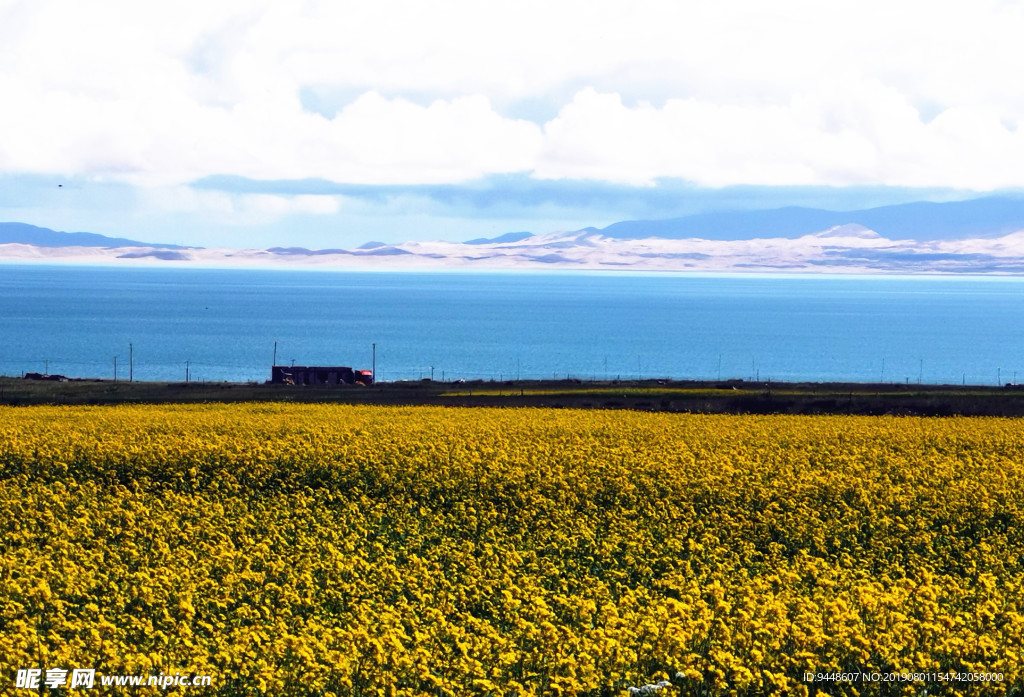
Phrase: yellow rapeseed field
(338, 550)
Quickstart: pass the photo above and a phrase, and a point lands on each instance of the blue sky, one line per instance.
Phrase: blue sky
(324, 124)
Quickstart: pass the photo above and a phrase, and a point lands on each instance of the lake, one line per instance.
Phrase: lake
(222, 324)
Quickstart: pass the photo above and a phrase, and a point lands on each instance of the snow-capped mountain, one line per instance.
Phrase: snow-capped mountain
(980, 236)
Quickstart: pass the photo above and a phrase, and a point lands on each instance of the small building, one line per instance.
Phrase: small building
(319, 375)
(44, 376)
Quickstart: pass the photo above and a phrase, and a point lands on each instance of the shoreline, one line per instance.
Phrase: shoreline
(674, 396)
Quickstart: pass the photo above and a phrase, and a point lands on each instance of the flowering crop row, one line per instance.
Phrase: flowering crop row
(338, 550)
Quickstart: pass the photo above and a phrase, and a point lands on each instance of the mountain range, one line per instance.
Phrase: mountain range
(23, 233)
(983, 217)
(984, 235)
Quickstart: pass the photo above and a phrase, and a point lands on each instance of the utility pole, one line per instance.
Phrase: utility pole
(115, 368)
(275, 354)
(373, 364)
(186, 371)
(131, 363)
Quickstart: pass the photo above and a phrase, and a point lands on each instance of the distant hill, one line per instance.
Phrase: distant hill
(988, 217)
(501, 239)
(23, 233)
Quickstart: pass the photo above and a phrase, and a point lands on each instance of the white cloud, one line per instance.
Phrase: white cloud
(736, 92)
(867, 135)
(394, 140)
(239, 209)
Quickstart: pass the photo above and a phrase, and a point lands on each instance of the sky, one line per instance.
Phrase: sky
(253, 123)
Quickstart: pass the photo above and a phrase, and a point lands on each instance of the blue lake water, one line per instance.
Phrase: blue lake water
(223, 323)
